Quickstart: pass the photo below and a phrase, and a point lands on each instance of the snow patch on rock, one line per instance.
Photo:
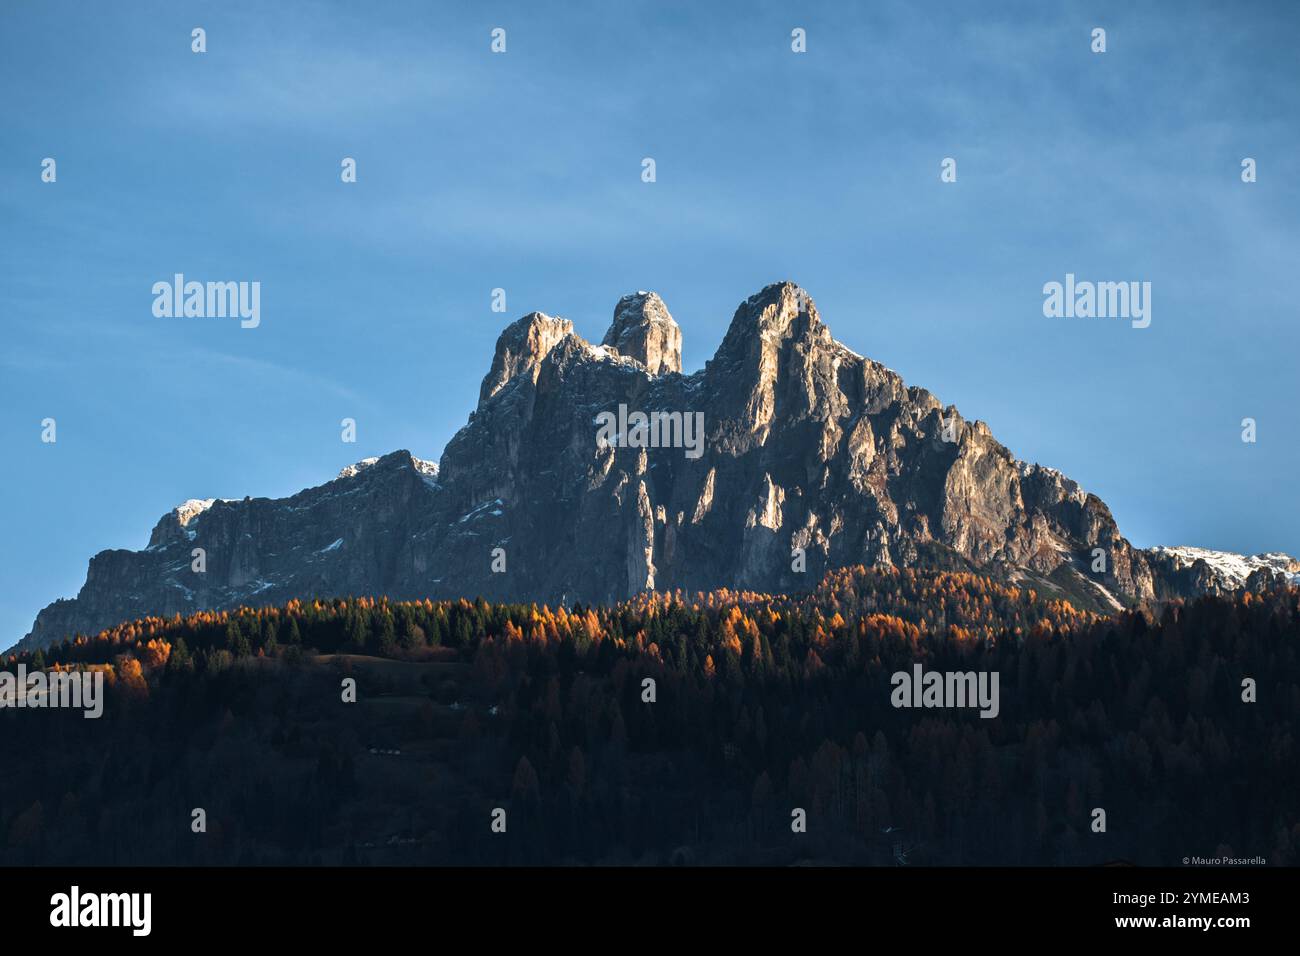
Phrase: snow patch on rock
(1233, 568)
(351, 471)
(427, 469)
(191, 508)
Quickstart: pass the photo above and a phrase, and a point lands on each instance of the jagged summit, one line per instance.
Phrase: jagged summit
(807, 457)
(776, 293)
(644, 330)
(520, 349)
(392, 459)
(191, 508)
(355, 469)
(764, 323)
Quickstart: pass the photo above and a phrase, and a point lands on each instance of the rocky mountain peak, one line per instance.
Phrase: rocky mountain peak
(777, 316)
(174, 524)
(353, 470)
(192, 508)
(804, 449)
(774, 310)
(778, 354)
(521, 348)
(394, 459)
(644, 330)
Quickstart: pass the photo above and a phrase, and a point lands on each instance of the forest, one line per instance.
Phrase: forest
(727, 728)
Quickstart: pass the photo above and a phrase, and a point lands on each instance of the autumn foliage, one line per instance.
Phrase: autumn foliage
(761, 703)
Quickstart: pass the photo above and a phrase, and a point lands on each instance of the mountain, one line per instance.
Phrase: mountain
(1202, 571)
(808, 457)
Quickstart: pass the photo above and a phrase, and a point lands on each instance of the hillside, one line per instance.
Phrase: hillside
(761, 704)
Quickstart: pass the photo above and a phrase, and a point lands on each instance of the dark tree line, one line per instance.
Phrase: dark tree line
(761, 705)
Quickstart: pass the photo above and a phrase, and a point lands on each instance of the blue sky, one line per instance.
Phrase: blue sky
(522, 171)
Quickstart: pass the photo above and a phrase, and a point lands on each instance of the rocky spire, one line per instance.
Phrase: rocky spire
(767, 319)
(521, 348)
(776, 344)
(643, 330)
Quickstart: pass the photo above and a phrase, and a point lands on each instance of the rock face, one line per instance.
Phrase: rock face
(1202, 571)
(643, 330)
(343, 537)
(810, 457)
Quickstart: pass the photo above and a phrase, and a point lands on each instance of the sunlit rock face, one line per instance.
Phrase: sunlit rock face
(811, 457)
